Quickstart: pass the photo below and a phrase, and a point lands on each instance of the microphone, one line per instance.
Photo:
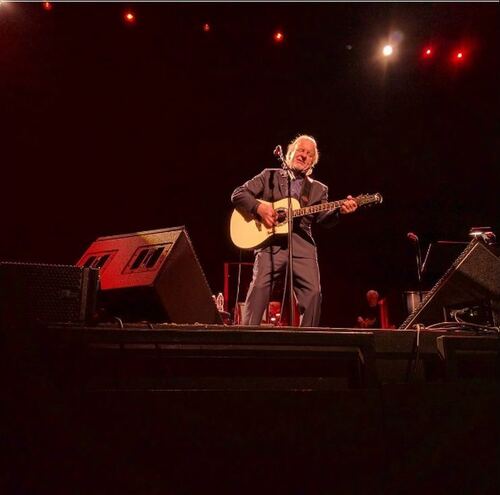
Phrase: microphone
(412, 237)
(278, 151)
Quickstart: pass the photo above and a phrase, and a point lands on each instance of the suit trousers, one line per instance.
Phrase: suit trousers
(268, 266)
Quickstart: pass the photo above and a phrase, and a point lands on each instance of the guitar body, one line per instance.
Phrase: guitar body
(250, 233)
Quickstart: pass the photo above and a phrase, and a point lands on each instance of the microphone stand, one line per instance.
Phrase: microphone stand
(424, 264)
(419, 268)
(289, 216)
(422, 269)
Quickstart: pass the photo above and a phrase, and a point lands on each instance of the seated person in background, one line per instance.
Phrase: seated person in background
(370, 313)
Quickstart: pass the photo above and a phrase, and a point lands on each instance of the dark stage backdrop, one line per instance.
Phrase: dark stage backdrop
(108, 128)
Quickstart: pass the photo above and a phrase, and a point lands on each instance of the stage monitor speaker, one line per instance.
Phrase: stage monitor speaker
(31, 293)
(152, 276)
(472, 281)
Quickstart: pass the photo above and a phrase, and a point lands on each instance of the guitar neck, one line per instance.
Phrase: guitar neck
(308, 210)
(364, 199)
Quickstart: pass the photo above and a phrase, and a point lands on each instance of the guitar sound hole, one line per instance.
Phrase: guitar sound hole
(281, 215)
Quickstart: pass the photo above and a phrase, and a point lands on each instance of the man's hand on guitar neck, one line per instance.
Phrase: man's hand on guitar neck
(349, 205)
(267, 214)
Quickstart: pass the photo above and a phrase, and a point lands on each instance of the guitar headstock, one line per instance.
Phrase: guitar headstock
(369, 199)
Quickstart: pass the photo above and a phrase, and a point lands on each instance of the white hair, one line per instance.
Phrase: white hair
(293, 144)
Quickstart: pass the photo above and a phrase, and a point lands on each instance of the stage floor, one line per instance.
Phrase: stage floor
(146, 409)
(217, 357)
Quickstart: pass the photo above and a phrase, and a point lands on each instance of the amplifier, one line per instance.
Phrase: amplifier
(471, 285)
(31, 293)
(153, 276)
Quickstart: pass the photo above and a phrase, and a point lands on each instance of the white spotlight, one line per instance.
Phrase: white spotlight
(387, 50)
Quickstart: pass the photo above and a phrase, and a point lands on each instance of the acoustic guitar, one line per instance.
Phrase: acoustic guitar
(250, 233)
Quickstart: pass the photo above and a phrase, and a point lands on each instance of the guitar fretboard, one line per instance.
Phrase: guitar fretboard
(334, 205)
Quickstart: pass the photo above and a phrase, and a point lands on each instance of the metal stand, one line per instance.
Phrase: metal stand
(279, 154)
(290, 245)
(419, 269)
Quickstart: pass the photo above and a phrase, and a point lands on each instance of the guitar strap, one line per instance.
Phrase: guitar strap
(306, 190)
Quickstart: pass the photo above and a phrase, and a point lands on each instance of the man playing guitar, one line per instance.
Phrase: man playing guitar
(270, 186)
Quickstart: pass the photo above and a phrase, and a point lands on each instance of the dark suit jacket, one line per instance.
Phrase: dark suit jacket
(272, 185)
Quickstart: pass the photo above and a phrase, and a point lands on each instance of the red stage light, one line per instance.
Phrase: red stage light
(278, 36)
(129, 17)
(47, 6)
(464, 51)
(206, 27)
(458, 57)
(427, 52)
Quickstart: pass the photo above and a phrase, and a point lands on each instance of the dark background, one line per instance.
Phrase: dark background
(109, 128)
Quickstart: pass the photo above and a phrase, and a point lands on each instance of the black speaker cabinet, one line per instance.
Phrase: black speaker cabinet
(152, 276)
(472, 281)
(31, 292)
